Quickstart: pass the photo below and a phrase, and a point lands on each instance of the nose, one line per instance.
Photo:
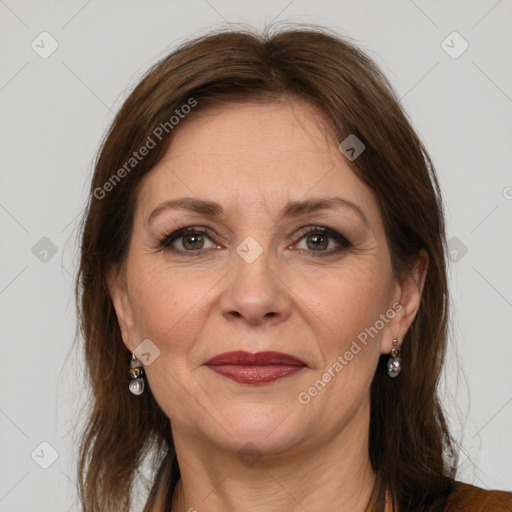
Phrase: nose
(256, 292)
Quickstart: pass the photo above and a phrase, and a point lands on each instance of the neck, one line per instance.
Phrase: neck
(334, 474)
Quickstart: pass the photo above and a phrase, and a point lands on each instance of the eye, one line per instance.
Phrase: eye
(194, 241)
(323, 241)
(189, 240)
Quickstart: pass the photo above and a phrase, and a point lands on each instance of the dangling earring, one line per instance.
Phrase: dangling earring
(136, 373)
(394, 361)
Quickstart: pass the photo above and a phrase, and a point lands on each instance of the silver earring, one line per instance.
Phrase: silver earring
(136, 373)
(394, 361)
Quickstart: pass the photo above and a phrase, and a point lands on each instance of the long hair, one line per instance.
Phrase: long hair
(408, 431)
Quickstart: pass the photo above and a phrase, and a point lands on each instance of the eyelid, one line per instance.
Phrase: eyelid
(342, 240)
(167, 239)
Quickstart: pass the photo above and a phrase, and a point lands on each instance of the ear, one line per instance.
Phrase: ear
(116, 283)
(408, 295)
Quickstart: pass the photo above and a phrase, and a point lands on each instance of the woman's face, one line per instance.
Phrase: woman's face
(286, 253)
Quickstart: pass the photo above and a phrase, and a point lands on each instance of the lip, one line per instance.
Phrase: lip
(258, 368)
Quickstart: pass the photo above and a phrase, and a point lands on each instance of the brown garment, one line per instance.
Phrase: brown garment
(468, 498)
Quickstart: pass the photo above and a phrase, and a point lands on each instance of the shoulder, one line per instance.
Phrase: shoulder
(468, 498)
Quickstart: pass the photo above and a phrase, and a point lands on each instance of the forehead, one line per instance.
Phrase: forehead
(236, 127)
(251, 152)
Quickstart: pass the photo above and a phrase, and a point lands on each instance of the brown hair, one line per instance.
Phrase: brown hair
(408, 432)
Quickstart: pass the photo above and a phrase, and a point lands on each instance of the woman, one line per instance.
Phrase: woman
(263, 259)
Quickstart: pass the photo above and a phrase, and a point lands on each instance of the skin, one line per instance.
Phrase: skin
(252, 160)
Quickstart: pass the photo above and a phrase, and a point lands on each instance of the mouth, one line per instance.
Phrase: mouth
(259, 368)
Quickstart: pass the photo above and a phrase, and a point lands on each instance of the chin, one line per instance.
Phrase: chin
(269, 428)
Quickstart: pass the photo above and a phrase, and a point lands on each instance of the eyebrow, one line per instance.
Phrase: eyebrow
(292, 209)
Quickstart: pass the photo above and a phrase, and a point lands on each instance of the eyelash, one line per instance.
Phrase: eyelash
(167, 240)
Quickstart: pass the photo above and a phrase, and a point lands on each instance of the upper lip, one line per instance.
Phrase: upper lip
(242, 358)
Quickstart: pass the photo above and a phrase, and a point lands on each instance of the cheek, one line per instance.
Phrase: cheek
(166, 308)
(349, 356)
(343, 310)
(170, 311)
(349, 302)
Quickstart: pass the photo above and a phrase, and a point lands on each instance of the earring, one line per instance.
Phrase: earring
(136, 373)
(394, 361)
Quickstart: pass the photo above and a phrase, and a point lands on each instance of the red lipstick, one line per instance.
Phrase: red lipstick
(258, 368)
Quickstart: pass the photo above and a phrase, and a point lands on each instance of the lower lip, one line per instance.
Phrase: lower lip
(255, 374)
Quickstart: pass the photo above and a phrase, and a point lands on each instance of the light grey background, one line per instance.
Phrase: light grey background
(54, 112)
